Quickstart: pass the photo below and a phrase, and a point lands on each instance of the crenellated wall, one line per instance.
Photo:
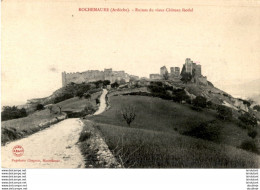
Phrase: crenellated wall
(94, 75)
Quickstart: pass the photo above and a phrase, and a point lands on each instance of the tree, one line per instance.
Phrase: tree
(248, 120)
(80, 93)
(97, 101)
(115, 85)
(98, 83)
(166, 75)
(257, 108)
(106, 82)
(12, 112)
(128, 113)
(224, 112)
(39, 107)
(87, 96)
(60, 107)
(200, 101)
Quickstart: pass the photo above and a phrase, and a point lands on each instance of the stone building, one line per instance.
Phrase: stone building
(163, 70)
(94, 75)
(192, 68)
(175, 71)
(155, 76)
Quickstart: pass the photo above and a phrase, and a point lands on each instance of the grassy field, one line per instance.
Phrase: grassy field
(77, 104)
(18, 128)
(155, 138)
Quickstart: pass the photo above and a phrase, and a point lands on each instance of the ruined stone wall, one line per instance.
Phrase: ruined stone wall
(94, 75)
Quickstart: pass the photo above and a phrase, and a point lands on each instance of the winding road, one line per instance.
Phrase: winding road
(54, 147)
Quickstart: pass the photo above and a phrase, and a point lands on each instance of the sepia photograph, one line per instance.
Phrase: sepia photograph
(130, 84)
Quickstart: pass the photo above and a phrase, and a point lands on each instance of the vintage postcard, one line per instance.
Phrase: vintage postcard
(130, 84)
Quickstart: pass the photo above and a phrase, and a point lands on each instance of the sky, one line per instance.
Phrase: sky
(40, 39)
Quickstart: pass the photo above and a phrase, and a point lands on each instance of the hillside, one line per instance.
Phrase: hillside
(175, 124)
(159, 136)
(249, 89)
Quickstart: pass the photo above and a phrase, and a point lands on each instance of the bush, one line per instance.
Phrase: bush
(208, 131)
(39, 107)
(179, 95)
(209, 104)
(224, 113)
(249, 145)
(257, 108)
(200, 101)
(115, 85)
(196, 108)
(252, 133)
(12, 113)
(106, 82)
(84, 135)
(248, 120)
(87, 96)
(63, 97)
(80, 94)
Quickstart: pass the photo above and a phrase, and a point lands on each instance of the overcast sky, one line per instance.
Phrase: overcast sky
(42, 39)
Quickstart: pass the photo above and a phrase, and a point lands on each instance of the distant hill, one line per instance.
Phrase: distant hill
(245, 90)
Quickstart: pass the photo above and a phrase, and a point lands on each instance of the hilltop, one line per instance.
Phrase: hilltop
(172, 120)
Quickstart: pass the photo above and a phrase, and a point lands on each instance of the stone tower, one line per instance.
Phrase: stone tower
(64, 82)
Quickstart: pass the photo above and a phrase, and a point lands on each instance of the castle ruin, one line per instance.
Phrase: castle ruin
(95, 75)
(175, 73)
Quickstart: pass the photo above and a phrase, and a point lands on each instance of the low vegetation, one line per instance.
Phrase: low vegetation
(12, 113)
(140, 148)
(18, 128)
(168, 134)
(257, 108)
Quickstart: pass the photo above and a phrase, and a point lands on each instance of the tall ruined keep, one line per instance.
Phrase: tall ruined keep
(94, 75)
(195, 71)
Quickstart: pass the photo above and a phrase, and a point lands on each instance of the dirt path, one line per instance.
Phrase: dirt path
(102, 106)
(54, 147)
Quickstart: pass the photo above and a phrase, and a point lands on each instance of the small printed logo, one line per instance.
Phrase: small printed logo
(18, 150)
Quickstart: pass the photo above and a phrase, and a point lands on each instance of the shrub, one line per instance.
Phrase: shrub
(248, 120)
(208, 131)
(224, 113)
(179, 95)
(257, 108)
(63, 97)
(115, 85)
(196, 108)
(39, 107)
(200, 101)
(252, 133)
(87, 96)
(80, 94)
(245, 102)
(12, 112)
(249, 145)
(106, 82)
(210, 84)
(84, 135)
(209, 104)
